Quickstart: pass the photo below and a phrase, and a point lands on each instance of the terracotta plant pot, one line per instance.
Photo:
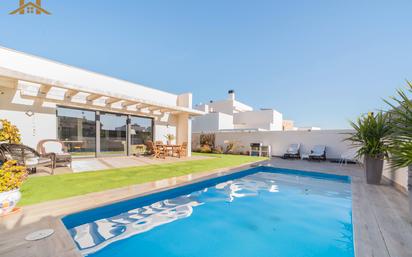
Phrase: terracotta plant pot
(373, 170)
(9, 200)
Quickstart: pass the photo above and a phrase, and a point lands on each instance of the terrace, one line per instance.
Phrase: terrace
(380, 215)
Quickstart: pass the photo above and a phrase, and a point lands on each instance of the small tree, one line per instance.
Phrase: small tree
(9, 132)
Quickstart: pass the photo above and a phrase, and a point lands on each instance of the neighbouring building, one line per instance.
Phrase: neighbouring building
(230, 114)
(93, 114)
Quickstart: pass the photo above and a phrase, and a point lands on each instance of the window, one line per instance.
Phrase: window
(77, 130)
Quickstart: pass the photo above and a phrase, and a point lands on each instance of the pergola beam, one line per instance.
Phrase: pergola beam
(93, 97)
(70, 93)
(43, 90)
(87, 106)
(128, 103)
(112, 100)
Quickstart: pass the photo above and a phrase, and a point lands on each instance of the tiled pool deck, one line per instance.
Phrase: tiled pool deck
(382, 227)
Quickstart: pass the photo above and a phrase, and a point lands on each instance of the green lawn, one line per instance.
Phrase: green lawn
(42, 189)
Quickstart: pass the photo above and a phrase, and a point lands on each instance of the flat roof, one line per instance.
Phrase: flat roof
(21, 66)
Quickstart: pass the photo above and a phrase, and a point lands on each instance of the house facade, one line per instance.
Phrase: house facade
(230, 114)
(93, 114)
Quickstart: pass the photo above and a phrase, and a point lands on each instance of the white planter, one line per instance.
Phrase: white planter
(9, 200)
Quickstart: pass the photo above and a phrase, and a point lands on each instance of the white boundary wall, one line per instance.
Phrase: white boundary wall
(280, 141)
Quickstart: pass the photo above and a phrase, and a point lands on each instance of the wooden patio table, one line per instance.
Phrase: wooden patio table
(170, 149)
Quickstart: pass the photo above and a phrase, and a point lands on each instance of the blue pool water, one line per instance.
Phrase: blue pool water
(258, 212)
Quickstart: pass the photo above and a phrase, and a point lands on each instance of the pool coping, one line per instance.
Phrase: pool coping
(368, 235)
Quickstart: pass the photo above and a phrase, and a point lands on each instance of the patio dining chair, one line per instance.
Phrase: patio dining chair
(157, 151)
(160, 151)
(181, 150)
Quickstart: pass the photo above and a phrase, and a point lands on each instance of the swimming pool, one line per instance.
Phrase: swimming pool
(257, 212)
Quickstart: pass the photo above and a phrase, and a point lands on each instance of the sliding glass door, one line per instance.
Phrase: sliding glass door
(91, 133)
(77, 130)
(113, 134)
(141, 130)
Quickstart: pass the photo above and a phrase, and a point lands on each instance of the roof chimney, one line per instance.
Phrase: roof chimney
(38, 2)
(21, 4)
(231, 93)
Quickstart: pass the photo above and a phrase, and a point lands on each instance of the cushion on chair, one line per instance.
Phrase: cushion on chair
(53, 147)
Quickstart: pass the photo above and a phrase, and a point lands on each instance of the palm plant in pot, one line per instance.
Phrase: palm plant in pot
(401, 138)
(170, 138)
(371, 137)
(11, 178)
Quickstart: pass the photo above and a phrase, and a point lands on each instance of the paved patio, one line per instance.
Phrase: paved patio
(110, 162)
(382, 227)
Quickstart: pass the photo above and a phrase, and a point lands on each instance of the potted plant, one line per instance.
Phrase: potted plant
(170, 138)
(371, 136)
(11, 178)
(401, 137)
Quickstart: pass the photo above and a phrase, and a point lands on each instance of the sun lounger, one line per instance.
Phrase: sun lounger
(292, 152)
(318, 153)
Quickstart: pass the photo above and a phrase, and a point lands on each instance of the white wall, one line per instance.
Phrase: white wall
(399, 176)
(212, 122)
(263, 119)
(32, 129)
(280, 140)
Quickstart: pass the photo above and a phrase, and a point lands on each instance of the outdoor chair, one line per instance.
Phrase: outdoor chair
(57, 149)
(27, 156)
(292, 152)
(149, 147)
(182, 150)
(318, 153)
(159, 151)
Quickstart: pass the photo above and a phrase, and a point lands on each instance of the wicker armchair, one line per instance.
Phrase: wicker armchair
(57, 149)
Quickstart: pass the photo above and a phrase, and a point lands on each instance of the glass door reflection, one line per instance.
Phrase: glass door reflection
(113, 134)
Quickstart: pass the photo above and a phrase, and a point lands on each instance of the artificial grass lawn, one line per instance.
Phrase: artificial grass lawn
(42, 189)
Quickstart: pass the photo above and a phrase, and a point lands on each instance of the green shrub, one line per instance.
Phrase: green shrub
(208, 139)
(205, 149)
(371, 135)
(218, 150)
(401, 122)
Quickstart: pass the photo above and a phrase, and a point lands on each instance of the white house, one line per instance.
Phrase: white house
(231, 114)
(92, 113)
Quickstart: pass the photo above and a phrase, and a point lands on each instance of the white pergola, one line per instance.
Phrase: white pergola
(42, 89)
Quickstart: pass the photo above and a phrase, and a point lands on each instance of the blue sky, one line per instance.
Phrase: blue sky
(320, 63)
